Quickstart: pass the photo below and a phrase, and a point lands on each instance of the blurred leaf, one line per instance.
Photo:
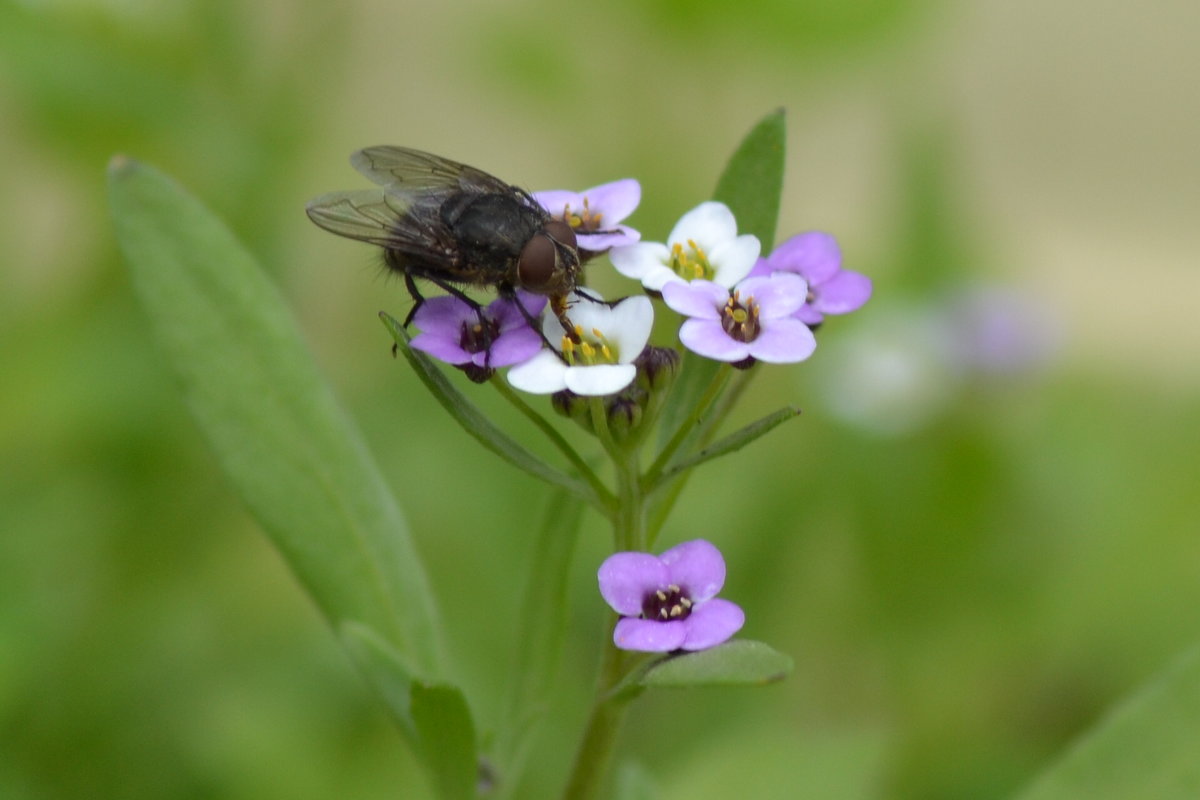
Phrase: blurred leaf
(384, 670)
(1148, 747)
(474, 422)
(752, 183)
(447, 738)
(542, 626)
(297, 461)
(634, 782)
(731, 443)
(737, 663)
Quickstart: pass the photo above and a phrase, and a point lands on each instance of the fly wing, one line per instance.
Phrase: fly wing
(378, 217)
(404, 171)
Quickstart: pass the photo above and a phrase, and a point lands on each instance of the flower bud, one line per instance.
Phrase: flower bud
(624, 415)
(656, 368)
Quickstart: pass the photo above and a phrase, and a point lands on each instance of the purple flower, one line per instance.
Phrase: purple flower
(754, 320)
(816, 257)
(595, 213)
(451, 331)
(669, 602)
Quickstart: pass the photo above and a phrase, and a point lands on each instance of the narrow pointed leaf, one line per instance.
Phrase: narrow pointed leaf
(384, 670)
(447, 739)
(1148, 747)
(473, 421)
(737, 663)
(729, 444)
(752, 183)
(297, 461)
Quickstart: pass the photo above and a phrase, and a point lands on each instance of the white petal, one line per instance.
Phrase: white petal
(545, 373)
(657, 278)
(629, 326)
(708, 225)
(732, 260)
(635, 260)
(600, 379)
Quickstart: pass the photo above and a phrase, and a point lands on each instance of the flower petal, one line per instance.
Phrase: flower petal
(636, 260)
(513, 347)
(708, 225)
(617, 236)
(626, 578)
(733, 259)
(843, 293)
(707, 338)
(815, 255)
(628, 326)
(699, 298)
(443, 315)
(777, 296)
(783, 341)
(598, 380)
(545, 373)
(440, 347)
(615, 201)
(712, 623)
(555, 200)
(649, 636)
(697, 567)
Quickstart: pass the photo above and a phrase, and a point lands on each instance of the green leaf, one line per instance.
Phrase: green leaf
(447, 739)
(737, 663)
(1149, 746)
(729, 444)
(541, 628)
(475, 423)
(384, 670)
(752, 183)
(297, 461)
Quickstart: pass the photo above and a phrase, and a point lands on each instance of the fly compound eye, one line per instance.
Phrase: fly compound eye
(561, 232)
(537, 264)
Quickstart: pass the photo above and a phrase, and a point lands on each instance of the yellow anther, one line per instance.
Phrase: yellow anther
(661, 595)
(683, 601)
(676, 611)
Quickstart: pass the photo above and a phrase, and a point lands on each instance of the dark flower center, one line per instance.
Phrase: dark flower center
(667, 604)
(740, 320)
(478, 336)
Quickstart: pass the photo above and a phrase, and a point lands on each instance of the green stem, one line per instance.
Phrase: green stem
(603, 725)
(603, 499)
(687, 427)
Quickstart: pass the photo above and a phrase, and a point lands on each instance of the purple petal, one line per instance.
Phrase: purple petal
(815, 255)
(783, 341)
(697, 567)
(626, 578)
(843, 293)
(513, 347)
(615, 201)
(555, 200)
(617, 236)
(711, 623)
(649, 636)
(777, 296)
(762, 269)
(707, 338)
(441, 348)
(809, 315)
(443, 315)
(699, 298)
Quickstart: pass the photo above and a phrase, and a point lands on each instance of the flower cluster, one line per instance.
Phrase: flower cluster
(734, 305)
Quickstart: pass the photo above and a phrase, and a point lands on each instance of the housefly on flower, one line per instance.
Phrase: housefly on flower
(454, 225)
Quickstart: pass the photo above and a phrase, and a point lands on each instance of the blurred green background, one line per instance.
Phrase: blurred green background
(970, 558)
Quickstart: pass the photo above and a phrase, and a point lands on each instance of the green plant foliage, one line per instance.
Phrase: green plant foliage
(738, 663)
(1147, 747)
(294, 457)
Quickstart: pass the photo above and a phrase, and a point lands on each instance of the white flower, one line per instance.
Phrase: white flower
(703, 245)
(598, 361)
